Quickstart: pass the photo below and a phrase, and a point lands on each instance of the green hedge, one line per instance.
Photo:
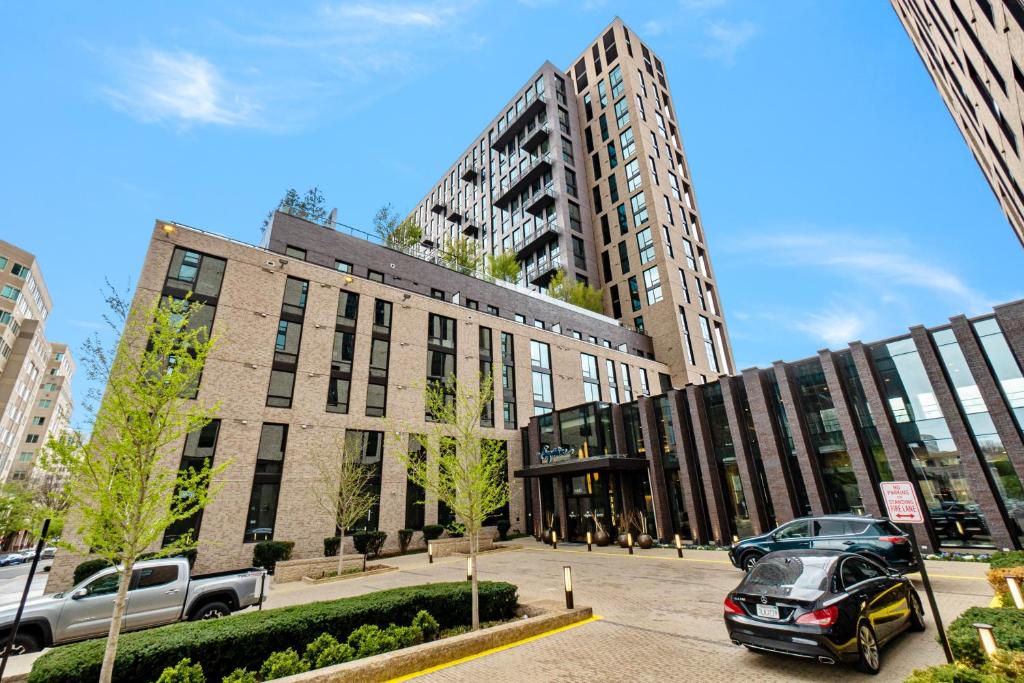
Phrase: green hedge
(244, 640)
(1004, 560)
(267, 554)
(1007, 627)
(86, 569)
(369, 542)
(331, 544)
(432, 531)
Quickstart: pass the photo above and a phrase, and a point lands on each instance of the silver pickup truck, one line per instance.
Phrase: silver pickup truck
(161, 592)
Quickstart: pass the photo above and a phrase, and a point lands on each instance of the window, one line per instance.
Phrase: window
(645, 384)
(591, 379)
(654, 175)
(613, 160)
(32, 438)
(45, 402)
(700, 294)
(437, 293)
(375, 276)
(620, 211)
(639, 204)
(627, 143)
(709, 345)
(674, 183)
(602, 121)
(633, 175)
(638, 324)
(634, 293)
(3, 262)
(38, 421)
(25, 456)
(10, 292)
(613, 388)
(855, 570)
(18, 270)
(540, 362)
(520, 318)
(602, 93)
(150, 577)
(343, 353)
(508, 380)
(623, 258)
(200, 448)
(613, 189)
(652, 282)
(380, 352)
(191, 271)
(627, 387)
(570, 183)
(615, 79)
(342, 266)
(415, 495)
(588, 106)
(266, 483)
(440, 354)
(606, 266)
(279, 394)
(295, 293)
(295, 252)
(616, 305)
(575, 222)
(622, 113)
(579, 257)
(645, 244)
(370, 446)
(688, 251)
(686, 335)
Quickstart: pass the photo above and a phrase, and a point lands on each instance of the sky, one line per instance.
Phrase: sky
(839, 200)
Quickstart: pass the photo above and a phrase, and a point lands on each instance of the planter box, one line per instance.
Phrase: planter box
(443, 547)
(330, 579)
(411, 660)
(295, 570)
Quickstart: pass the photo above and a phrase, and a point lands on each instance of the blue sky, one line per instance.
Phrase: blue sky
(839, 199)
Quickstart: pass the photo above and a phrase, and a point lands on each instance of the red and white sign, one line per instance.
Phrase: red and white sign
(901, 502)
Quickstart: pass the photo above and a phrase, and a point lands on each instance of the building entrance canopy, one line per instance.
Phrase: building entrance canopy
(612, 462)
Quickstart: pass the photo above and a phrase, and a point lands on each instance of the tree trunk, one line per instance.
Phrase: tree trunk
(474, 542)
(107, 671)
(341, 552)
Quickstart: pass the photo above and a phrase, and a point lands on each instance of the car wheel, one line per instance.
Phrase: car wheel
(24, 643)
(749, 560)
(916, 612)
(868, 659)
(213, 610)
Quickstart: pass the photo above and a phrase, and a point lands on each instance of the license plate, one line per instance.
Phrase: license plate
(768, 611)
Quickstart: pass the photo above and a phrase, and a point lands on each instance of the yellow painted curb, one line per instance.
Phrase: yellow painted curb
(637, 556)
(493, 650)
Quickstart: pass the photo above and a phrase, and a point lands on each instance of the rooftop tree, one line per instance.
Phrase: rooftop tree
(394, 231)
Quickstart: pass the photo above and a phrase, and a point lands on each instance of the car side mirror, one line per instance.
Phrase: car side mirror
(79, 594)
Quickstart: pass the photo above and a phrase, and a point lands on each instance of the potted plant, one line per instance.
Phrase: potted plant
(644, 540)
(503, 527)
(601, 537)
(623, 528)
(549, 527)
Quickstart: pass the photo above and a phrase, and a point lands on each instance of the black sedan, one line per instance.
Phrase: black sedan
(825, 605)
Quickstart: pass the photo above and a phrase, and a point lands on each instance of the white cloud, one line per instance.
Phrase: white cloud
(701, 5)
(385, 14)
(727, 38)
(835, 326)
(179, 87)
(652, 28)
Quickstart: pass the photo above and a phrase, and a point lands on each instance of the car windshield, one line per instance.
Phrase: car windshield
(801, 578)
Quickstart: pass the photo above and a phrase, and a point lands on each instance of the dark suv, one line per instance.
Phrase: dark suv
(874, 537)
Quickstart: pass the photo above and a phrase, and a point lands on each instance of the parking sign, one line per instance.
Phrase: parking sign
(901, 502)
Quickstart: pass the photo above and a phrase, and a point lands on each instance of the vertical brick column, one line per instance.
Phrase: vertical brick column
(688, 467)
(769, 442)
(1011, 321)
(744, 459)
(991, 393)
(529, 459)
(899, 460)
(560, 507)
(974, 465)
(619, 430)
(860, 456)
(714, 491)
(655, 469)
(805, 455)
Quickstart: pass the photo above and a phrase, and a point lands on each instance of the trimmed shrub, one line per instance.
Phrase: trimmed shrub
(88, 568)
(327, 651)
(404, 539)
(369, 640)
(331, 544)
(1006, 559)
(427, 624)
(949, 673)
(432, 532)
(283, 663)
(1007, 627)
(997, 578)
(455, 530)
(369, 542)
(240, 676)
(183, 672)
(223, 645)
(267, 554)
(503, 527)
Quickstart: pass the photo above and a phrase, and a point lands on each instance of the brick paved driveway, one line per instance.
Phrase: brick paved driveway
(662, 617)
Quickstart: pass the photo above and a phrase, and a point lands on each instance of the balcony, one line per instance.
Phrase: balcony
(535, 170)
(535, 137)
(454, 215)
(540, 201)
(438, 207)
(543, 273)
(505, 136)
(470, 174)
(539, 238)
(470, 229)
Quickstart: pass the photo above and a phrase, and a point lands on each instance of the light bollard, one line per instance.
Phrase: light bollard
(469, 569)
(679, 545)
(554, 540)
(1014, 585)
(589, 541)
(988, 640)
(567, 577)
(430, 553)
(629, 542)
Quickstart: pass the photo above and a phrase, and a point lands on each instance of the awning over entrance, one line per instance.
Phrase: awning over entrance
(599, 463)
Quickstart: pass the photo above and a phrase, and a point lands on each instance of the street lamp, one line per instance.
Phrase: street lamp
(567, 577)
(679, 545)
(988, 641)
(1014, 585)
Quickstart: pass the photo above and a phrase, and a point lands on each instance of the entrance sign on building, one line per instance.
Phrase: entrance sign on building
(901, 502)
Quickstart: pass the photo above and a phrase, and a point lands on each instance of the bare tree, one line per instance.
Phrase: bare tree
(342, 486)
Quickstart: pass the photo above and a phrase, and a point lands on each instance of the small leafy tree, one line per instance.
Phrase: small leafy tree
(462, 469)
(395, 232)
(342, 486)
(122, 484)
(575, 292)
(504, 266)
(17, 510)
(310, 206)
(462, 254)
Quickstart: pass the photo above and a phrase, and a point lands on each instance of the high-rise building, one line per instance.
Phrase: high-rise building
(583, 171)
(974, 52)
(29, 412)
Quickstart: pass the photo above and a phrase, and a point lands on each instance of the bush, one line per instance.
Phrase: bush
(455, 530)
(183, 672)
(432, 532)
(1004, 560)
(88, 568)
(331, 544)
(404, 539)
(1003, 666)
(369, 640)
(997, 578)
(427, 624)
(327, 651)
(283, 663)
(267, 554)
(240, 676)
(369, 542)
(503, 527)
(1007, 627)
(223, 645)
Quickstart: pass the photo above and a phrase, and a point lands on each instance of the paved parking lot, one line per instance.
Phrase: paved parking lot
(661, 617)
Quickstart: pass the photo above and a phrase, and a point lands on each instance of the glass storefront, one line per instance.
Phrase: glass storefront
(921, 426)
(1004, 365)
(775, 401)
(725, 455)
(864, 421)
(670, 463)
(826, 436)
(747, 420)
